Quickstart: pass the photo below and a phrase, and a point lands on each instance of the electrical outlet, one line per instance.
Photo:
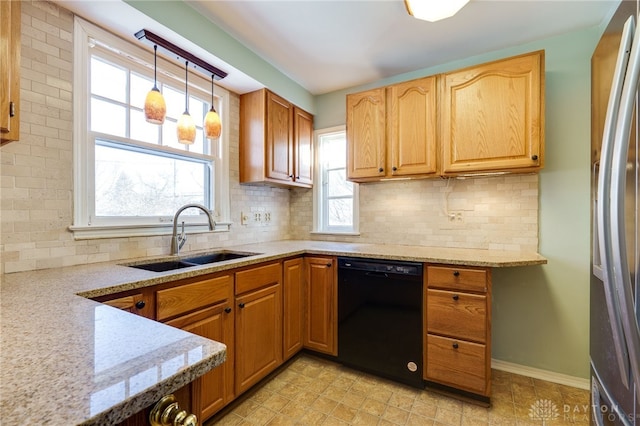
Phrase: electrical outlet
(257, 217)
(456, 217)
(267, 217)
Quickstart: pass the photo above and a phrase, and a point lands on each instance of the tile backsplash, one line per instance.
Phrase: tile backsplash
(497, 212)
(36, 187)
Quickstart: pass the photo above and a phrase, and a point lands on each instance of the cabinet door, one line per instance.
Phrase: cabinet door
(293, 306)
(279, 142)
(493, 116)
(303, 146)
(214, 389)
(412, 127)
(258, 335)
(321, 326)
(366, 137)
(10, 20)
(139, 302)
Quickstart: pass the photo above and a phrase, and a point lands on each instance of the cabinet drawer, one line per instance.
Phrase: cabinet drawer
(255, 278)
(185, 298)
(456, 314)
(454, 278)
(457, 363)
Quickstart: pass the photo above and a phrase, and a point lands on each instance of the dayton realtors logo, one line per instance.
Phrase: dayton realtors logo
(544, 410)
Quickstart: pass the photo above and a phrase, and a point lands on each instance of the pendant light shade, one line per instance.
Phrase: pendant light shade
(186, 126)
(212, 124)
(155, 108)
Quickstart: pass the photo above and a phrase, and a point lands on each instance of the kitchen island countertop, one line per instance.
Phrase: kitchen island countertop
(65, 359)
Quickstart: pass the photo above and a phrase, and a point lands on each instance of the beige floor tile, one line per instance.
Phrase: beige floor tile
(314, 391)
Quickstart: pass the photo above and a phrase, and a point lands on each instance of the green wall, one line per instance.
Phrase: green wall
(540, 314)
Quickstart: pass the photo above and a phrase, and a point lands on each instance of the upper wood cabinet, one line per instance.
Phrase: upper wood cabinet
(391, 131)
(493, 116)
(9, 71)
(276, 141)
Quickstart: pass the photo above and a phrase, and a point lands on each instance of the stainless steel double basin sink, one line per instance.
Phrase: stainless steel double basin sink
(197, 260)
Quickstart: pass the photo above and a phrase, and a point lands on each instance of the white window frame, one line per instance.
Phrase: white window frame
(320, 194)
(86, 227)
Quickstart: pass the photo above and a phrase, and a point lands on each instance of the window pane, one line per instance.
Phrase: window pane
(335, 151)
(140, 86)
(108, 118)
(141, 130)
(131, 183)
(108, 80)
(340, 212)
(174, 100)
(337, 183)
(196, 109)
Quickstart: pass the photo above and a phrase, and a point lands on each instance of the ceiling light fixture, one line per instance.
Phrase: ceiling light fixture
(433, 10)
(186, 126)
(155, 107)
(212, 124)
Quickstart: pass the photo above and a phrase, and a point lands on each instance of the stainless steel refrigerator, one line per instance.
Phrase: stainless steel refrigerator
(615, 286)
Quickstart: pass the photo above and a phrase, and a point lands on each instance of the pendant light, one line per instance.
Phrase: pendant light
(155, 108)
(186, 126)
(212, 125)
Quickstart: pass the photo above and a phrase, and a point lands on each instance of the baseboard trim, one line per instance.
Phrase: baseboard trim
(536, 373)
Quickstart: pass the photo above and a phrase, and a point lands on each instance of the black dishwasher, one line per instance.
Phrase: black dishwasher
(380, 318)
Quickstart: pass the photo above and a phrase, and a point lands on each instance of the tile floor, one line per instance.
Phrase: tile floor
(315, 391)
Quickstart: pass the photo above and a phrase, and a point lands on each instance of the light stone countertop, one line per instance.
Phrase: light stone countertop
(67, 360)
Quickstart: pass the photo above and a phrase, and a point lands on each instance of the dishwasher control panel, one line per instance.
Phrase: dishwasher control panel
(385, 266)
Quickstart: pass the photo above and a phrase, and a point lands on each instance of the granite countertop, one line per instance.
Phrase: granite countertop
(68, 360)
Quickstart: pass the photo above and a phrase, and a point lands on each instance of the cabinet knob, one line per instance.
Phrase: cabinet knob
(456, 273)
(394, 168)
(227, 310)
(297, 177)
(241, 305)
(329, 265)
(140, 304)
(290, 176)
(380, 170)
(456, 297)
(455, 346)
(534, 157)
(167, 412)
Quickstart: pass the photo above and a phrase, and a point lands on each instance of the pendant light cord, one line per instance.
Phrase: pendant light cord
(155, 66)
(186, 87)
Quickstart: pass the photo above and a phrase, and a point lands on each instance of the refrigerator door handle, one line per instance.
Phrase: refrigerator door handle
(602, 248)
(621, 273)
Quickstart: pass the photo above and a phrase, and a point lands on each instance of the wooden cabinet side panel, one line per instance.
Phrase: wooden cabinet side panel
(258, 336)
(366, 134)
(279, 142)
(10, 39)
(321, 307)
(412, 122)
(303, 146)
(293, 306)
(252, 136)
(492, 115)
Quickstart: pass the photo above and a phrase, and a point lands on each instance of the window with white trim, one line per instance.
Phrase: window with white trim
(132, 176)
(335, 198)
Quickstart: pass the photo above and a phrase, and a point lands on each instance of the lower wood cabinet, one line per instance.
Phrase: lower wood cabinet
(258, 328)
(292, 306)
(205, 308)
(182, 396)
(321, 318)
(139, 302)
(457, 345)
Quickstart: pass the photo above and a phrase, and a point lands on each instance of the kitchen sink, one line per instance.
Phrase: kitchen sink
(169, 265)
(204, 259)
(216, 257)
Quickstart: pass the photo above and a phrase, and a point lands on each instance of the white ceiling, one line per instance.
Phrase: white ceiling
(326, 45)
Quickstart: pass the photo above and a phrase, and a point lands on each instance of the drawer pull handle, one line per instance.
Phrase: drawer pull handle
(456, 273)
(227, 310)
(241, 305)
(455, 346)
(456, 297)
(140, 304)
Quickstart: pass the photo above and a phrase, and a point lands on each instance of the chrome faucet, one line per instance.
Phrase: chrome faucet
(178, 241)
